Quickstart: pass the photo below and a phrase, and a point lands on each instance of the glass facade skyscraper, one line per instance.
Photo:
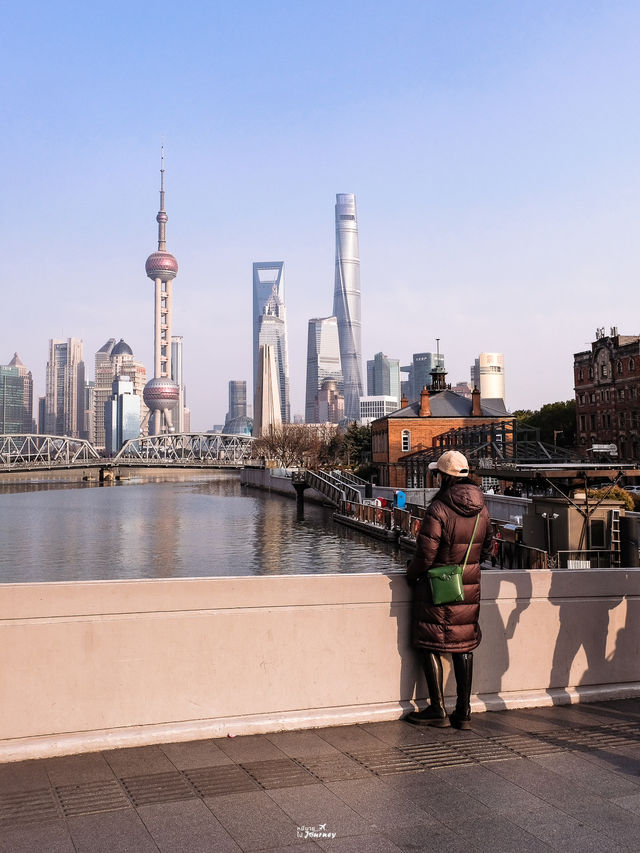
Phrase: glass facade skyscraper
(346, 302)
(65, 389)
(270, 327)
(323, 362)
(383, 377)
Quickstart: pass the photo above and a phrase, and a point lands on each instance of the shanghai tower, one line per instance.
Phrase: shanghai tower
(346, 302)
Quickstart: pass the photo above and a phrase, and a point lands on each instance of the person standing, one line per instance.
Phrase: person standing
(445, 534)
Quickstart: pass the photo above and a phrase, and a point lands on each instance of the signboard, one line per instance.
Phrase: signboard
(605, 448)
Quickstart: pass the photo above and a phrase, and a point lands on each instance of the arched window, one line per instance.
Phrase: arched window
(591, 373)
(406, 440)
(632, 365)
(619, 366)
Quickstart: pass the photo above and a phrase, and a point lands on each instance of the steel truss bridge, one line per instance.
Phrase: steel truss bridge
(181, 450)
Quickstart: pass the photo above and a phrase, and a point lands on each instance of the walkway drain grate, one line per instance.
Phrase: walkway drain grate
(483, 750)
(158, 788)
(435, 755)
(217, 781)
(282, 773)
(526, 746)
(334, 768)
(383, 762)
(92, 797)
(17, 809)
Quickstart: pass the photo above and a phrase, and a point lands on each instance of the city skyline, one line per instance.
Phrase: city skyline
(491, 153)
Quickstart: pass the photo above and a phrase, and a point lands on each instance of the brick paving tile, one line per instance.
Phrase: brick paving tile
(631, 803)
(611, 820)
(499, 835)
(564, 832)
(138, 760)
(121, 831)
(77, 769)
(249, 748)
(379, 803)
(350, 738)
(195, 753)
(254, 820)
(314, 806)
(434, 795)
(430, 838)
(598, 781)
(303, 744)
(186, 827)
(22, 776)
(492, 790)
(52, 837)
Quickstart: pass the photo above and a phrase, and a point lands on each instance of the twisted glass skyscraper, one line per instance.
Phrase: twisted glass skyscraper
(346, 302)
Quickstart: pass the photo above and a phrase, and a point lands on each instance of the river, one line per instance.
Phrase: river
(200, 526)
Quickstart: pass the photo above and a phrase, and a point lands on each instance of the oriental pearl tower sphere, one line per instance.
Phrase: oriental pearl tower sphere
(161, 393)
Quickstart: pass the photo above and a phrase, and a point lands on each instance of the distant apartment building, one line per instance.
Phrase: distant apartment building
(374, 407)
(112, 361)
(383, 377)
(330, 403)
(181, 413)
(323, 363)
(16, 398)
(487, 375)
(607, 389)
(270, 327)
(65, 389)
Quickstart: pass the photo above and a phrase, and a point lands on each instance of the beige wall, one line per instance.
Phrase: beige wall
(109, 663)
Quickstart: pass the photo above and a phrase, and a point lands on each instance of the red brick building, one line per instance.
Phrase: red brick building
(415, 426)
(607, 386)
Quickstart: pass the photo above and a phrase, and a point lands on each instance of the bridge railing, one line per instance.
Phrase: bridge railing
(44, 451)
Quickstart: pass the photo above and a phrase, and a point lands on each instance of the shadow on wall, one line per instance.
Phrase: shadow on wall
(412, 683)
(583, 624)
(498, 653)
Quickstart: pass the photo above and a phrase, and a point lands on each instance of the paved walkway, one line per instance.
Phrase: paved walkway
(565, 778)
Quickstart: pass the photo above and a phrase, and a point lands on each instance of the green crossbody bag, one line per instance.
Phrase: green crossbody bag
(446, 581)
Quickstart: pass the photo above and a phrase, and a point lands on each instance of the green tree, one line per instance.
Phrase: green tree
(556, 422)
(356, 445)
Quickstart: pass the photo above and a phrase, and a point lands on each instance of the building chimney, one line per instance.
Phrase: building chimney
(404, 402)
(425, 407)
(476, 408)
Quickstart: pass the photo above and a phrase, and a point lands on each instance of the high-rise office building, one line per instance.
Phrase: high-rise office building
(323, 362)
(121, 414)
(383, 377)
(330, 403)
(16, 397)
(237, 422)
(419, 371)
(487, 375)
(161, 394)
(112, 361)
(267, 407)
(346, 302)
(181, 413)
(65, 390)
(270, 326)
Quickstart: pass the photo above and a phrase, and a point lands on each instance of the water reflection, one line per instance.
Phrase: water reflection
(165, 529)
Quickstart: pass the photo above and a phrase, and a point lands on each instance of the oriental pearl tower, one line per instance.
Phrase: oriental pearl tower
(161, 393)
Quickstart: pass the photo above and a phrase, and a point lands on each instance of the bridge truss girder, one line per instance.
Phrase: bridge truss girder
(186, 449)
(45, 451)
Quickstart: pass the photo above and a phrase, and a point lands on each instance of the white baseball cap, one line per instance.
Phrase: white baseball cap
(453, 463)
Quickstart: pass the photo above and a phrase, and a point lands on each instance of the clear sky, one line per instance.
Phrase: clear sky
(493, 149)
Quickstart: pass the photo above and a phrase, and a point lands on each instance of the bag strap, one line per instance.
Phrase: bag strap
(473, 535)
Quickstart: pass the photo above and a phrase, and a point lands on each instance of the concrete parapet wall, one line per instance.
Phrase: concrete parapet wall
(95, 665)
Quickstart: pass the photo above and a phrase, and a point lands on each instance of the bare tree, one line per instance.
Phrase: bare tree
(289, 445)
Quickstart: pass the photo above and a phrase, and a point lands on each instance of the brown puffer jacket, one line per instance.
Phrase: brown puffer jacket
(443, 539)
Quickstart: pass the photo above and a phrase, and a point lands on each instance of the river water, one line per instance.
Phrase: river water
(198, 527)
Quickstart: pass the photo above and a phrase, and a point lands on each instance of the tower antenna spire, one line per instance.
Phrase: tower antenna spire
(162, 217)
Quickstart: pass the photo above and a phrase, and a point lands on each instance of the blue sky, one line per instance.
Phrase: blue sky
(492, 147)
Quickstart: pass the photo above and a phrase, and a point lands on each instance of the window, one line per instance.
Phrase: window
(592, 398)
(604, 371)
(406, 440)
(591, 373)
(582, 423)
(632, 365)
(593, 421)
(581, 374)
(621, 394)
(619, 367)
(597, 533)
(582, 399)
